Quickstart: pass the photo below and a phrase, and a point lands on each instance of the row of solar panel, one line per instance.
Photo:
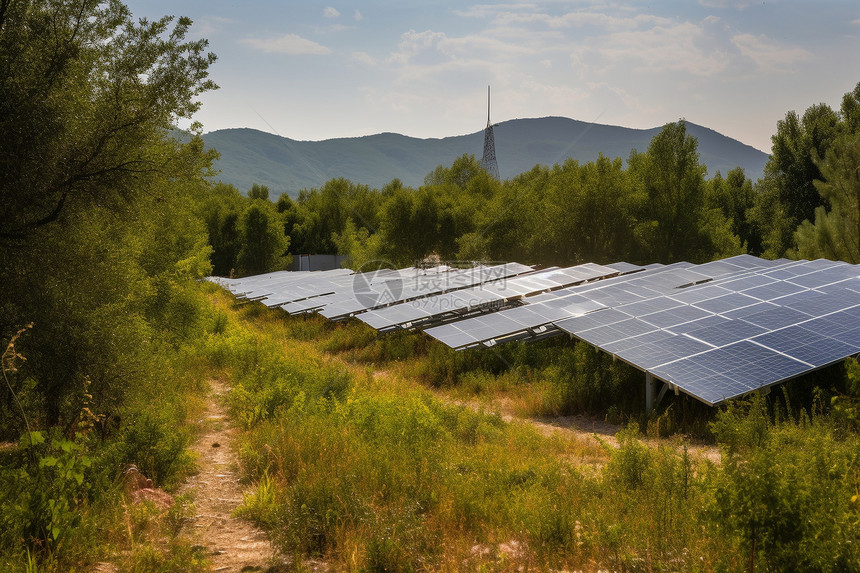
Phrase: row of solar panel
(715, 331)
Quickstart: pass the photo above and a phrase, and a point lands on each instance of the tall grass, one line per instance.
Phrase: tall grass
(375, 473)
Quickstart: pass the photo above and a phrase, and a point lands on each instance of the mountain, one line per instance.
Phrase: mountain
(249, 156)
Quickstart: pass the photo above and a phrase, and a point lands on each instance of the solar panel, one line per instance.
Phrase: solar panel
(675, 316)
(715, 331)
(749, 327)
(485, 296)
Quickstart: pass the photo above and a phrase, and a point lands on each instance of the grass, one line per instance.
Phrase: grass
(358, 460)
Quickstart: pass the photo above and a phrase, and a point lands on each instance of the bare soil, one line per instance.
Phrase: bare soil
(232, 544)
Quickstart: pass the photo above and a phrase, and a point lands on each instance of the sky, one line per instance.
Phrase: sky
(321, 70)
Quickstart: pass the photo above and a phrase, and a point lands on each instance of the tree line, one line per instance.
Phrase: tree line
(656, 205)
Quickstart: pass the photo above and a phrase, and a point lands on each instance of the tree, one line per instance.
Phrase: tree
(221, 210)
(97, 203)
(835, 233)
(734, 197)
(787, 195)
(673, 183)
(264, 245)
(259, 192)
(86, 92)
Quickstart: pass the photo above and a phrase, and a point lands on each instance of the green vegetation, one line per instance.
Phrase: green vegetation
(378, 452)
(356, 464)
(101, 247)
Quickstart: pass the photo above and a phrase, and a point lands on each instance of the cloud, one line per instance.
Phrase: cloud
(290, 44)
(209, 25)
(724, 4)
(769, 56)
(330, 12)
(362, 58)
(669, 46)
(358, 17)
(413, 43)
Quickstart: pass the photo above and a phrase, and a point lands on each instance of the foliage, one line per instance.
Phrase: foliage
(835, 232)
(101, 246)
(786, 495)
(788, 195)
(87, 91)
(263, 242)
(571, 213)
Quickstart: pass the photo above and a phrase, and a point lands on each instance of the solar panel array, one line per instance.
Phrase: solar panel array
(484, 297)
(714, 331)
(364, 296)
(743, 330)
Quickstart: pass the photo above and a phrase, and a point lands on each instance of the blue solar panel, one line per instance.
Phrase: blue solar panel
(728, 333)
(773, 291)
(787, 339)
(675, 316)
(685, 327)
(649, 306)
(732, 301)
(817, 304)
(695, 294)
(774, 318)
(594, 319)
(609, 333)
(745, 282)
(819, 278)
(823, 353)
(851, 337)
(748, 310)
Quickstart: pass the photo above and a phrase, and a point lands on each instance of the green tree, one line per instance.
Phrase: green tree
(259, 192)
(264, 245)
(734, 196)
(673, 183)
(97, 204)
(221, 210)
(787, 195)
(835, 233)
(86, 92)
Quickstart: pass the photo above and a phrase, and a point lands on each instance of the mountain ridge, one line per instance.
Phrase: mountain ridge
(251, 156)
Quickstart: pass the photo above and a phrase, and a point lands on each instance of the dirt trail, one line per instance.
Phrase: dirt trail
(233, 544)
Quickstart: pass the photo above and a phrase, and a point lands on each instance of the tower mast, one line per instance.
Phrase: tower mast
(488, 161)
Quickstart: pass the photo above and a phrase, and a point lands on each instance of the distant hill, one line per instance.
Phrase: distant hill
(249, 156)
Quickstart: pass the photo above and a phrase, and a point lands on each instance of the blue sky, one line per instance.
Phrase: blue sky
(320, 70)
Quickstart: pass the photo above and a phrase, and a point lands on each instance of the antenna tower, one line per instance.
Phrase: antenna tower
(488, 161)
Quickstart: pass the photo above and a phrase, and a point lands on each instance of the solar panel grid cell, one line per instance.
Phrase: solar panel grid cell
(675, 316)
(725, 303)
(818, 354)
(685, 327)
(774, 318)
(726, 333)
(699, 293)
(773, 291)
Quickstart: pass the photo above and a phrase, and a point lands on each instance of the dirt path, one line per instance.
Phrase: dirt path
(233, 544)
